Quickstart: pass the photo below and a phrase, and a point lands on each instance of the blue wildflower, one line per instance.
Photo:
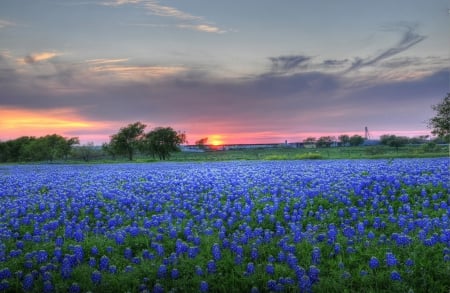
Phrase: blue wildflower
(96, 277)
(391, 260)
(74, 288)
(395, 276)
(374, 263)
(28, 282)
(203, 286)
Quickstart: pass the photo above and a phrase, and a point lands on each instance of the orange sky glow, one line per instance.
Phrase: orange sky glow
(16, 122)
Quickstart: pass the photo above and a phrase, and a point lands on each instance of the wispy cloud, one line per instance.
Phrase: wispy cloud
(127, 72)
(288, 63)
(167, 11)
(202, 28)
(187, 20)
(37, 57)
(409, 38)
(5, 23)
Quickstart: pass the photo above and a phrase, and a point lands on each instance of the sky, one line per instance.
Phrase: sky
(248, 71)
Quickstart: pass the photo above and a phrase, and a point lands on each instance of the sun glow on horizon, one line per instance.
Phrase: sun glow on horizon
(16, 122)
(216, 140)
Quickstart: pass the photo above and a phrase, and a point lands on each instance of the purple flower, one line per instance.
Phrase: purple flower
(198, 271)
(96, 277)
(104, 263)
(211, 267)
(94, 250)
(48, 287)
(74, 288)
(374, 263)
(315, 255)
(215, 250)
(128, 253)
(250, 268)
(314, 274)
(270, 269)
(203, 286)
(28, 282)
(175, 274)
(92, 262)
(162, 270)
(395, 276)
(391, 260)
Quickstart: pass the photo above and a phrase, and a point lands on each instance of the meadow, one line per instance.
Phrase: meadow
(379, 225)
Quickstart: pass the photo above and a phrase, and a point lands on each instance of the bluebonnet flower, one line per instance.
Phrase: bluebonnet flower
(198, 271)
(128, 253)
(104, 263)
(215, 250)
(254, 253)
(42, 256)
(92, 262)
(270, 269)
(96, 277)
(374, 263)
(314, 274)
(94, 250)
(250, 268)
(112, 269)
(211, 267)
(78, 252)
(203, 286)
(175, 273)
(5, 273)
(74, 288)
(158, 288)
(47, 276)
(409, 262)
(78, 235)
(395, 276)
(315, 255)
(128, 269)
(66, 268)
(363, 273)
(4, 285)
(271, 285)
(391, 260)
(28, 282)
(162, 270)
(305, 284)
(48, 287)
(193, 251)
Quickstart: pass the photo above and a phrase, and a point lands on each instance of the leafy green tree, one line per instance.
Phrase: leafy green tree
(344, 139)
(325, 141)
(440, 124)
(356, 140)
(128, 139)
(162, 141)
(393, 140)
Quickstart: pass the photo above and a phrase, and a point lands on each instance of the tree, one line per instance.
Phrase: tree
(440, 124)
(325, 141)
(161, 141)
(393, 140)
(201, 143)
(344, 139)
(128, 139)
(356, 140)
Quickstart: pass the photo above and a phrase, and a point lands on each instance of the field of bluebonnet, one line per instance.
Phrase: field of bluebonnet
(282, 226)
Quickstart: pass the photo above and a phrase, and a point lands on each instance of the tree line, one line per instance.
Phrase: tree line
(158, 143)
(162, 141)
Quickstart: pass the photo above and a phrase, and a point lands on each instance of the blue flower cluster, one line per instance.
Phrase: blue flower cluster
(279, 223)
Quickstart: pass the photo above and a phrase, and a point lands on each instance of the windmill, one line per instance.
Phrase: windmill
(366, 133)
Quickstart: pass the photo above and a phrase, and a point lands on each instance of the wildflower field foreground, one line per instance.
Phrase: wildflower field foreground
(282, 226)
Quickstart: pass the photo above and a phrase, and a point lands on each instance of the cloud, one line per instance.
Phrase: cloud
(288, 63)
(186, 20)
(5, 23)
(167, 11)
(37, 57)
(409, 38)
(201, 28)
